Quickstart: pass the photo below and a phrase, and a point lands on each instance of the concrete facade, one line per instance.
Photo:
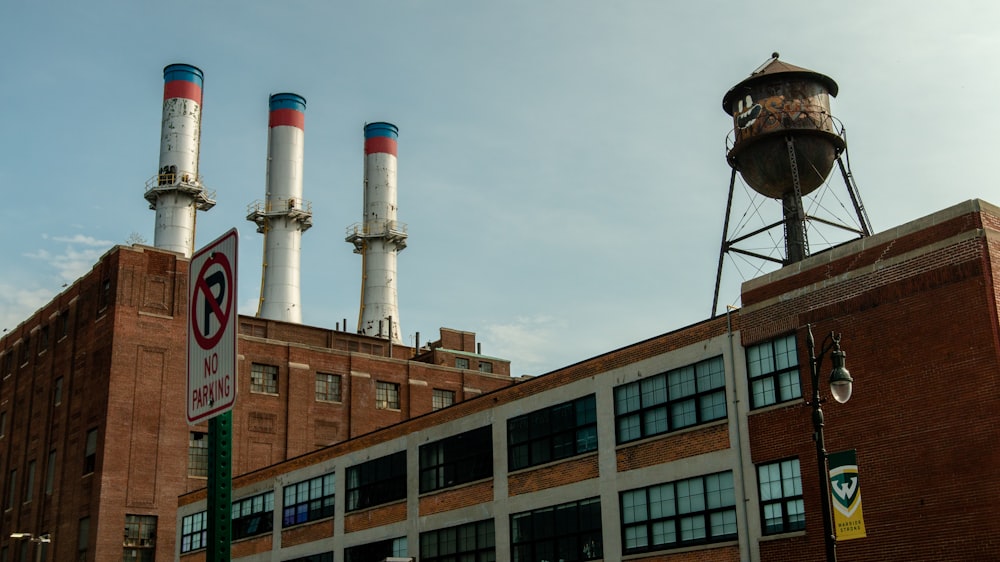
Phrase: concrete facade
(917, 307)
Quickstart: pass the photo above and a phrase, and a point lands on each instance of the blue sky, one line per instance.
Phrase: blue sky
(561, 163)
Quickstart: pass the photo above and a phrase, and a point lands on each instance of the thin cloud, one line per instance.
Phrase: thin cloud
(529, 340)
(16, 304)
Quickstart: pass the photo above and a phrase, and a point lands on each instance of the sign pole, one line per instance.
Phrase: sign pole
(220, 437)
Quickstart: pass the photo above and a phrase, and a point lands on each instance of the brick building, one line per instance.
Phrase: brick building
(694, 445)
(93, 433)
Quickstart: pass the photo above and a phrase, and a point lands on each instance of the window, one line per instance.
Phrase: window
(104, 297)
(50, 473)
(571, 531)
(308, 501)
(24, 350)
(11, 489)
(461, 363)
(773, 368)
(322, 557)
(62, 325)
(90, 452)
(43, 339)
(194, 532)
(472, 542)
(3, 423)
(327, 387)
(140, 538)
(377, 550)
(83, 538)
(694, 511)
(554, 433)
(29, 483)
(781, 506)
(198, 454)
(386, 395)
(376, 482)
(485, 367)
(670, 401)
(57, 392)
(8, 362)
(442, 398)
(466, 457)
(253, 516)
(263, 378)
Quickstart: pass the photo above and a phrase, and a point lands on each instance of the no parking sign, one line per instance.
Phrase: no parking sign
(211, 388)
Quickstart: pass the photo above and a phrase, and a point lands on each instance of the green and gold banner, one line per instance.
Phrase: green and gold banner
(845, 492)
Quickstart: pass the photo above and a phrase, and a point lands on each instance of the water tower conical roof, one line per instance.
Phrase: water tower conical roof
(770, 70)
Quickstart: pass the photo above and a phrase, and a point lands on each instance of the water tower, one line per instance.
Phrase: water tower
(784, 144)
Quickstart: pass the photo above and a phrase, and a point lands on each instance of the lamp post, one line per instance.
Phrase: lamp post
(39, 540)
(841, 385)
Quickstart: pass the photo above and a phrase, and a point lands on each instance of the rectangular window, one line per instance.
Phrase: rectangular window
(773, 368)
(194, 532)
(104, 297)
(485, 367)
(377, 550)
(376, 482)
(465, 457)
(781, 506)
(8, 362)
(57, 392)
(670, 401)
(11, 489)
(570, 531)
(29, 483)
(83, 539)
(90, 452)
(43, 339)
(198, 454)
(50, 473)
(140, 538)
(308, 501)
(472, 542)
(253, 516)
(461, 363)
(25, 345)
(685, 512)
(321, 557)
(3, 424)
(263, 378)
(62, 325)
(553, 433)
(386, 395)
(327, 387)
(442, 398)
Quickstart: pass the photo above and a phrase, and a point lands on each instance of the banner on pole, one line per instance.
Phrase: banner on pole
(845, 490)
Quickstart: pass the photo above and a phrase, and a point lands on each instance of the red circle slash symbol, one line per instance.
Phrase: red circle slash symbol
(212, 304)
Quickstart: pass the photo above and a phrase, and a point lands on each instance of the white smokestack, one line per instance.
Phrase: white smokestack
(175, 192)
(283, 216)
(380, 237)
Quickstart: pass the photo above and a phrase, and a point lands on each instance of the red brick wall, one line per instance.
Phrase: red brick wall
(456, 498)
(673, 447)
(307, 533)
(722, 554)
(550, 476)
(375, 517)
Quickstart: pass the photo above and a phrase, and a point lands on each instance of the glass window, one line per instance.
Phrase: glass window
(669, 401)
(50, 473)
(194, 532)
(83, 538)
(466, 457)
(554, 433)
(29, 483)
(57, 392)
(327, 387)
(681, 513)
(252, 516)
(461, 363)
(263, 378)
(570, 531)
(321, 557)
(773, 368)
(386, 395)
(198, 454)
(485, 367)
(308, 501)
(472, 542)
(781, 506)
(11, 489)
(90, 452)
(376, 482)
(140, 538)
(442, 398)
(377, 550)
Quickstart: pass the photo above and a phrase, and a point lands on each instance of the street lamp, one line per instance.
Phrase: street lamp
(841, 385)
(39, 540)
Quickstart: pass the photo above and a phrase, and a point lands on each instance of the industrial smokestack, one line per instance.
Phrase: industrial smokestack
(380, 237)
(283, 216)
(175, 192)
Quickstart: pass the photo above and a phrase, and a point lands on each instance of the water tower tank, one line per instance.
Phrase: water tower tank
(778, 108)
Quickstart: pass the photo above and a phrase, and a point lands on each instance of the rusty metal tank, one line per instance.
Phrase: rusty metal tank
(778, 106)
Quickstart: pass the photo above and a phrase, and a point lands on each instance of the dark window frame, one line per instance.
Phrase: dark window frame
(376, 482)
(252, 516)
(568, 531)
(329, 387)
(442, 398)
(194, 532)
(783, 501)
(456, 460)
(777, 371)
(264, 379)
(386, 395)
(546, 435)
(309, 500)
(472, 542)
